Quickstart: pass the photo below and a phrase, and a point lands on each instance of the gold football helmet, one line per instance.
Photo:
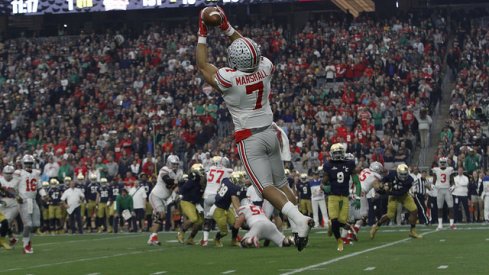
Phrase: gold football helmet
(337, 151)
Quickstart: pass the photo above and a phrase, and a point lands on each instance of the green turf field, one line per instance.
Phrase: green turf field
(464, 251)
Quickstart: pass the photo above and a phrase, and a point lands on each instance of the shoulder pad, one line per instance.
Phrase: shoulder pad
(223, 78)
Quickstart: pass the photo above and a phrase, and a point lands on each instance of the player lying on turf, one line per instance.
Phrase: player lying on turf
(245, 87)
(260, 227)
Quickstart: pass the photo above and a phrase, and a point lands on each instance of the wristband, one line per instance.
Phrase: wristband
(202, 40)
(230, 31)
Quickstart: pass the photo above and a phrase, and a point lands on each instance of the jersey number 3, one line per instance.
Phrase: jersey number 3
(257, 87)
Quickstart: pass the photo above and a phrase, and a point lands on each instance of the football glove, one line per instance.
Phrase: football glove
(225, 26)
(452, 188)
(327, 189)
(169, 182)
(202, 26)
(356, 204)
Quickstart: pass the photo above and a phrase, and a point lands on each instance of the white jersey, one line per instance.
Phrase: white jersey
(367, 179)
(12, 184)
(247, 95)
(160, 190)
(29, 183)
(252, 194)
(215, 175)
(442, 177)
(253, 214)
(485, 189)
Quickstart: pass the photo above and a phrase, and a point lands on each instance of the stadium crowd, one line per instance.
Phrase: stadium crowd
(464, 138)
(95, 107)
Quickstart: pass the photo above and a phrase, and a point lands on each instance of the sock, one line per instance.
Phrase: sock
(26, 240)
(234, 233)
(440, 222)
(293, 226)
(451, 222)
(292, 212)
(206, 235)
(413, 226)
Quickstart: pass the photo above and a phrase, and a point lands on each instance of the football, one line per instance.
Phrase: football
(212, 16)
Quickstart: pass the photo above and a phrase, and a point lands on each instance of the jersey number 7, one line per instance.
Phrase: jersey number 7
(256, 87)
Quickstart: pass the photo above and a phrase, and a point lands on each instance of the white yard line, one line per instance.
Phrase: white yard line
(228, 272)
(88, 240)
(370, 268)
(310, 267)
(81, 260)
(159, 272)
(443, 267)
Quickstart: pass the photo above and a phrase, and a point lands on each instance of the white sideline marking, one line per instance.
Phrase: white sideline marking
(443, 267)
(229, 271)
(309, 267)
(82, 260)
(172, 241)
(89, 240)
(369, 268)
(442, 240)
(96, 273)
(159, 272)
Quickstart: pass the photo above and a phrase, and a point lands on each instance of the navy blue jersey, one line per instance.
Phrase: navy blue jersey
(398, 187)
(191, 191)
(226, 191)
(114, 190)
(147, 187)
(304, 190)
(104, 192)
(91, 191)
(54, 194)
(339, 175)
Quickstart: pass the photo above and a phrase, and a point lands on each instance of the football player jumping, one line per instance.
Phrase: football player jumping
(336, 179)
(245, 87)
(167, 182)
(443, 180)
(397, 186)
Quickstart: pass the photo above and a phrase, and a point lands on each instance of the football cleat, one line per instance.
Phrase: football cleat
(235, 242)
(453, 227)
(203, 243)
(353, 233)
(340, 245)
(4, 243)
(12, 241)
(414, 235)
(153, 240)
(266, 243)
(373, 231)
(301, 241)
(288, 241)
(438, 228)
(28, 249)
(218, 243)
(181, 237)
(190, 241)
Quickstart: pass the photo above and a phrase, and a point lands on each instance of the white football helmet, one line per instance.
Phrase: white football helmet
(443, 162)
(8, 172)
(402, 171)
(173, 162)
(376, 167)
(244, 55)
(28, 161)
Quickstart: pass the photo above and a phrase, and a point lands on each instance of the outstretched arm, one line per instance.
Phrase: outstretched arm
(226, 28)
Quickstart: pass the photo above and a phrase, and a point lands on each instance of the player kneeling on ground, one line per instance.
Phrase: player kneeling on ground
(260, 227)
(397, 187)
(191, 192)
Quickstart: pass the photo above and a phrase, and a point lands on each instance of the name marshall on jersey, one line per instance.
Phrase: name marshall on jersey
(247, 79)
